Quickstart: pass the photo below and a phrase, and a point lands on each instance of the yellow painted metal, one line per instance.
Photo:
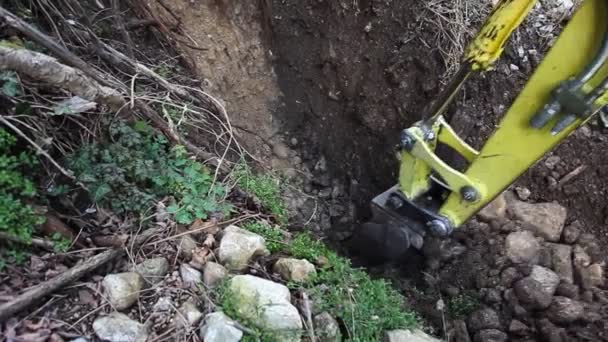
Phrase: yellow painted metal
(515, 146)
(415, 173)
(488, 45)
(418, 163)
(448, 136)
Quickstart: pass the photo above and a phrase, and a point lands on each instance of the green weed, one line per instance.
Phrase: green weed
(17, 217)
(265, 187)
(140, 167)
(463, 305)
(273, 236)
(60, 243)
(367, 306)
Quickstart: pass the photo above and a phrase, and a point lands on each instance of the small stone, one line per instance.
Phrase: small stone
(493, 296)
(552, 161)
(561, 257)
(186, 246)
(450, 290)
(538, 288)
(267, 305)
(123, 289)
(408, 336)
(571, 233)
(580, 258)
(294, 141)
(459, 332)
(280, 150)
(219, 328)
(550, 332)
(513, 67)
(523, 193)
(522, 247)
(518, 328)
(508, 276)
(567, 290)
(497, 209)
(295, 269)
(117, 327)
(238, 247)
(484, 319)
(443, 249)
(591, 276)
(544, 219)
(213, 273)
(327, 328)
(190, 276)
(80, 339)
(490, 335)
(163, 304)
(153, 270)
(564, 310)
(189, 315)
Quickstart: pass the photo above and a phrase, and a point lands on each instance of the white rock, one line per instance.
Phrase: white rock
(213, 273)
(561, 258)
(117, 327)
(494, 210)
(327, 328)
(281, 150)
(163, 304)
(408, 336)
(544, 219)
(538, 288)
(238, 247)
(564, 310)
(267, 305)
(219, 328)
(188, 315)
(187, 245)
(298, 270)
(122, 289)
(522, 247)
(190, 276)
(153, 270)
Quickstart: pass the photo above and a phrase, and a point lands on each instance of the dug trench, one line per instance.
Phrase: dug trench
(318, 91)
(342, 78)
(352, 75)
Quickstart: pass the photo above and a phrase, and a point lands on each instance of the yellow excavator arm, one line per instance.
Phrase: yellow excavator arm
(566, 89)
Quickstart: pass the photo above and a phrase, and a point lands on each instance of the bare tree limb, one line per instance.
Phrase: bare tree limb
(64, 54)
(47, 69)
(35, 294)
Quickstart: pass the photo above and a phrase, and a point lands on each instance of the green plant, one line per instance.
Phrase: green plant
(463, 305)
(60, 243)
(17, 217)
(265, 187)
(229, 302)
(10, 85)
(273, 236)
(367, 306)
(140, 167)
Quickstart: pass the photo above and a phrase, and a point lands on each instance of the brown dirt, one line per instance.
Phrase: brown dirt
(355, 73)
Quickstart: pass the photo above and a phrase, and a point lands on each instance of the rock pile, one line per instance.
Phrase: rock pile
(537, 278)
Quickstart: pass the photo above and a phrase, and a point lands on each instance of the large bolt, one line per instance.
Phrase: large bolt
(439, 228)
(406, 141)
(469, 193)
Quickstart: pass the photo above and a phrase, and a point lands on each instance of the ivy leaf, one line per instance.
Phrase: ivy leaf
(100, 192)
(11, 84)
(184, 217)
(172, 209)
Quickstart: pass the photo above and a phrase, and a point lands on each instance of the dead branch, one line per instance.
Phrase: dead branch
(75, 61)
(64, 54)
(118, 19)
(33, 295)
(42, 243)
(47, 69)
(307, 311)
(67, 173)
